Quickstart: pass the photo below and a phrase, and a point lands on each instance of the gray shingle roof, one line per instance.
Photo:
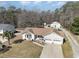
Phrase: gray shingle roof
(3, 26)
(6, 27)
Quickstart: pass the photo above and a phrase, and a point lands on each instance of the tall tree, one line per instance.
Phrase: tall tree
(11, 16)
(75, 26)
(2, 14)
(12, 8)
(56, 15)
(8, 35)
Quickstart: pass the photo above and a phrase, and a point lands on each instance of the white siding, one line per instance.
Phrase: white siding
(49, 41)
(56, 25)
(24, 36)
(1, 31)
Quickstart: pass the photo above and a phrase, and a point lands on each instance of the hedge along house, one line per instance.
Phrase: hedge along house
(4, 28)
(47, 34)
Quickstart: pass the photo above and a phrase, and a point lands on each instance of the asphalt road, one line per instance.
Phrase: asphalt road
(73, 43)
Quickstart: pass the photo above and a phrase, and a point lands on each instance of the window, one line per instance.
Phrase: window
(56, 40)
(29, 36)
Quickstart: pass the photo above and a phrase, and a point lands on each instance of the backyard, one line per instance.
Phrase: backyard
(25, 49)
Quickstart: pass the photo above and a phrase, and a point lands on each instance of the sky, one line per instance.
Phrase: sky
(34, 5)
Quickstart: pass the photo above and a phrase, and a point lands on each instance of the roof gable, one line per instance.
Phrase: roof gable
(43, 31)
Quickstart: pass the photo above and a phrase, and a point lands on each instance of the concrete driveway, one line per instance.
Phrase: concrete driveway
(52, 51)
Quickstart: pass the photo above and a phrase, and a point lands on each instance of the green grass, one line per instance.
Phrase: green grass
(26, 49)
(67, 50)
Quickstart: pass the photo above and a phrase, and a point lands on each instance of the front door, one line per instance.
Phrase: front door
(29, 36)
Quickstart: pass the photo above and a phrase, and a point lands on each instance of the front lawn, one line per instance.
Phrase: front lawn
(25, 49)
(67, 50)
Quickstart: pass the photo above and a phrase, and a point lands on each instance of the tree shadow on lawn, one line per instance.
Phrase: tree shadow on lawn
(5, 49)
(18, 41)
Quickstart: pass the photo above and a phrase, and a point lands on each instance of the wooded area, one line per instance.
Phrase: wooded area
(67, 13)
(25, 18)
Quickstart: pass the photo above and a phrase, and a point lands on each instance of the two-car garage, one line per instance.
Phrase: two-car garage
(54, 38)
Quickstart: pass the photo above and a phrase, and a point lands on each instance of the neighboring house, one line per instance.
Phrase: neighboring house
(47, 34)
(56, 25)
(4, 28)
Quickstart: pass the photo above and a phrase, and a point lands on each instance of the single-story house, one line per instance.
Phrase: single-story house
(56, 25)
(47, 34)
(4, 28)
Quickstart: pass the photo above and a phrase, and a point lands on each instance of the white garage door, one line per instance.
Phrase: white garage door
(54, 38)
